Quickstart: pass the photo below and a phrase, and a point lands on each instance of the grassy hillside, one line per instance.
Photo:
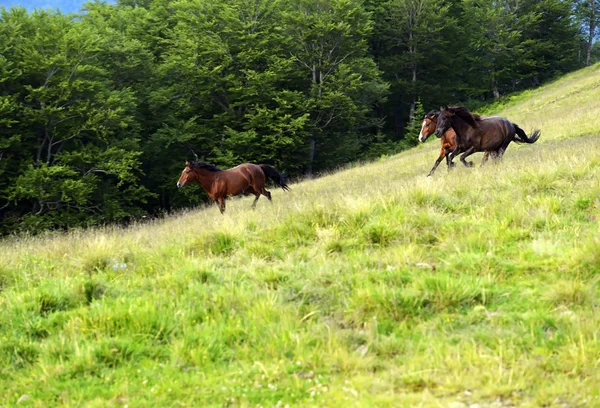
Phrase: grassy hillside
(374, 286)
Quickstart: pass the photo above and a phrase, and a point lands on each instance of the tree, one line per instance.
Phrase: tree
(414, 126)
(588, 14)
(341, 82)
(222, 89)
(76, 159)
(595, 53)
(494, 39)
(415, 45)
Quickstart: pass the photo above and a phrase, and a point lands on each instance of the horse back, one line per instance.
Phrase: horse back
(496, 122)
(245, 175)
(252, 170)
(495, 131)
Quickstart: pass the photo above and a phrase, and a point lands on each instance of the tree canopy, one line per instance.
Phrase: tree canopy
(99, 110)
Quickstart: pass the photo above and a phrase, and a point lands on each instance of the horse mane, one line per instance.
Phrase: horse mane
(432, 113)
(472, 119)
(205, 166)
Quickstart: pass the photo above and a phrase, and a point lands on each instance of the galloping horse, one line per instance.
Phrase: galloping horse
(448, 140)
(476, 134)
(244, 179)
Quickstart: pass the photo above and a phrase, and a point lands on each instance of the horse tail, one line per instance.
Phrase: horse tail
(274, 175)
(522, 136)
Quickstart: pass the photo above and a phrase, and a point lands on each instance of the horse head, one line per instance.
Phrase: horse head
(428, 125)
(187, 175)
(444, 121)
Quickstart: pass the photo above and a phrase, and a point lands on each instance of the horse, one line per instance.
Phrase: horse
(477, 134)
(448, 140)
(247, 178)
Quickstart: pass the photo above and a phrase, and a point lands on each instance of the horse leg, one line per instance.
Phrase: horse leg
(259, 187)
(437, 162)
(467, 163)
(256, 197)
(267, 194)
(455, 152)
(486, 156)
(447, 155)
(502, 150)
(443, 154)
(497, 155)
(221, 203)
(251, 190)
(466, 154)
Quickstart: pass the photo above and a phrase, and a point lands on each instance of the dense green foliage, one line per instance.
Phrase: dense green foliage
(99, 110)
(370, 287)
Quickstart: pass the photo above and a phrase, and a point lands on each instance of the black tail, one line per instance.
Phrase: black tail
(274, 175)
(522, 136)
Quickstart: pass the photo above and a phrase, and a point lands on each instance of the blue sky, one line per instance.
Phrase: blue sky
(66, 6)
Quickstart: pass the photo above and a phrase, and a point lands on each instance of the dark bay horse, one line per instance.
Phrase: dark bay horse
(244, 179)
(477, 134)
(448, 140)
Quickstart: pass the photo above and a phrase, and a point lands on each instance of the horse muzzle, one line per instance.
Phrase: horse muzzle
(180, 185)
(438, 133)
(422, 138)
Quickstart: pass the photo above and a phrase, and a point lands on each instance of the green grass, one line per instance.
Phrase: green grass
(373, 286)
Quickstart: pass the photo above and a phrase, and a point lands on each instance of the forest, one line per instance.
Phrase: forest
(99, 110)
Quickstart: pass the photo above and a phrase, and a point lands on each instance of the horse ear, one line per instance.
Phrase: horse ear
(187, 163)
(444, 108)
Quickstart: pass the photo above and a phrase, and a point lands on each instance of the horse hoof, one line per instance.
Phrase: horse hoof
(470, 164)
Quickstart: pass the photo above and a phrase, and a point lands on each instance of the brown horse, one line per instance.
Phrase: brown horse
(244, 179)
(448, 140)
(476, 134)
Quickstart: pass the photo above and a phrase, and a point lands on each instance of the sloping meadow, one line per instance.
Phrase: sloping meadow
(371, 286)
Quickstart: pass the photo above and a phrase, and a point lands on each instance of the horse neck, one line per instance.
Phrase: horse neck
(461, 127)
(205, 178)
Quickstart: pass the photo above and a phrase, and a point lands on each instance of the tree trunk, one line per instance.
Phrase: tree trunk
(311, 153)
(588, 50)
(413, 52)
(495, 90)
(317, 77)
(413, 104)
